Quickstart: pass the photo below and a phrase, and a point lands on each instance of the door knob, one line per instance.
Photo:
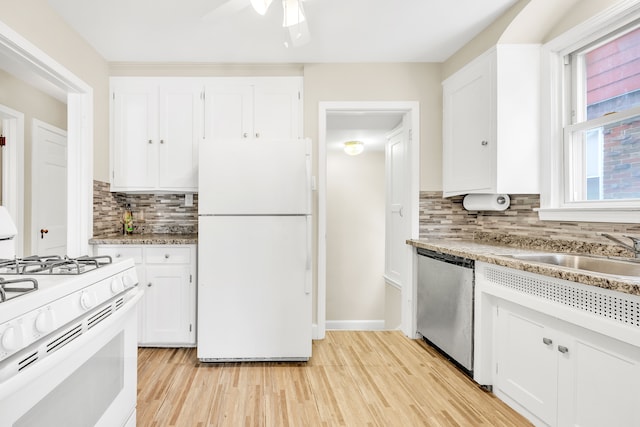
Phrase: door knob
(43, 231)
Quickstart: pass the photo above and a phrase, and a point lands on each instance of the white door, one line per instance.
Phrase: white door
(254, 177)
(49, 190)
(135, 136)
(396, 188)
(276, 110)
(229, 111)
(167, 316)
(254, 300)
(181, 127)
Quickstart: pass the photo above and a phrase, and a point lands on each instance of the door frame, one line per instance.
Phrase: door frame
(79, 140)
(413, 165)
(13, 155)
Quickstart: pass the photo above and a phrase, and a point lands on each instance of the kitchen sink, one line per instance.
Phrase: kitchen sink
(585, 262)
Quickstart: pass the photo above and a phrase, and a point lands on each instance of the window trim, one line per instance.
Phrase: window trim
(553, 122)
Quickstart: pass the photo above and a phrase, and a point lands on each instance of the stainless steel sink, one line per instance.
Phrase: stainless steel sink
(585, 262)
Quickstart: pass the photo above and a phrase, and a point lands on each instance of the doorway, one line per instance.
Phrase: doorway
(21, 57)
(407, 115)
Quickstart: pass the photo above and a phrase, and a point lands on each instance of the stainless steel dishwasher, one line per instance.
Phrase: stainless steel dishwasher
(445, 305)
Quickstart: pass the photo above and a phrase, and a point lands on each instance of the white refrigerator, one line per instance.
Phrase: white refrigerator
(254, 251)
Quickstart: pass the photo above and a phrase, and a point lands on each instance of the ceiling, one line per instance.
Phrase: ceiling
(370, 127)
(230, 31)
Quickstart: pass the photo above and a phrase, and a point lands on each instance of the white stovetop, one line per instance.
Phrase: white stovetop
(53, 287)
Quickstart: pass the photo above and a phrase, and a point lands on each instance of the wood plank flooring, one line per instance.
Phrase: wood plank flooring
(353, 379)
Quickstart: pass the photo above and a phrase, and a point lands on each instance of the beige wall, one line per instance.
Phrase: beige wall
(38, 23)
(34, 104)
(528, 21)
(383, 82)
(355, 236)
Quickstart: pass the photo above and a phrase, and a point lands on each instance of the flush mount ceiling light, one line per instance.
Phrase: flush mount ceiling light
(353, 148)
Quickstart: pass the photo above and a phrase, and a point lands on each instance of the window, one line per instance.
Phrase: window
(602, 151)
(593, 138)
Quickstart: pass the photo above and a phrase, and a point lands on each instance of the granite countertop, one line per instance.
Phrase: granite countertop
(498, 254)
(145, 239)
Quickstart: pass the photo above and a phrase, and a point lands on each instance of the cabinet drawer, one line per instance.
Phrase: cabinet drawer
(169, 255)
(118, 253)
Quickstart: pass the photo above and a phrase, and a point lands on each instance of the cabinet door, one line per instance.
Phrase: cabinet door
(599, 381)
(277, 109)
(167, 305)
(135, 137)
(527, 361)
(229, 111)
(469, 151)
(181, 128)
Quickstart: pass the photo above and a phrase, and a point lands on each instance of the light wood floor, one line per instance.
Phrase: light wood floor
(353, 379)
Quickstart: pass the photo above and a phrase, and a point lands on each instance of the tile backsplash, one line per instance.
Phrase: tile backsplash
(447, 218)
(152, 213)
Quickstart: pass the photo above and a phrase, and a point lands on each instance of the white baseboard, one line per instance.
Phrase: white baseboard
(355, 325)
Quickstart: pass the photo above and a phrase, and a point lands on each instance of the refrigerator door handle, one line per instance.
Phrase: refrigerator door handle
(308, 264)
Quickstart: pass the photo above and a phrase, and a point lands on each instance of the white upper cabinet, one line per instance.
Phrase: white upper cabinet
(491, 123)
(265, 108)
(156, 127)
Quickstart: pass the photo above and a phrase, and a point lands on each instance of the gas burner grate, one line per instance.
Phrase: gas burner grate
(10, 289)
(54, 264)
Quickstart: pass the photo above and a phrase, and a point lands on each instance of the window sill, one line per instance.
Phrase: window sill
(620, 215)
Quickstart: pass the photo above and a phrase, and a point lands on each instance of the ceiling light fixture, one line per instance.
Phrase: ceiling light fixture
(261, 6)
(353, 148)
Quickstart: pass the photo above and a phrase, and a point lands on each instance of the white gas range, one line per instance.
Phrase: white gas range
(68, 341)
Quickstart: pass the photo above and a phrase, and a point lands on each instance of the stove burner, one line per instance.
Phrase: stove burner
(17, 290)
(54, 264)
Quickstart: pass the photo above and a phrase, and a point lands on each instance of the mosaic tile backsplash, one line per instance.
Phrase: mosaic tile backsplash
(517, 226)
(152, 213)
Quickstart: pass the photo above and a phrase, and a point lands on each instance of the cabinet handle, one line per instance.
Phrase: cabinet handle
(117, 255)
(485, 143)
(563, 349)
(149, 285)
(150, 141)
(547, 341)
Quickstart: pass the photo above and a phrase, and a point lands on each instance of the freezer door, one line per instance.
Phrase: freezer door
(255, 177)
(254, 288)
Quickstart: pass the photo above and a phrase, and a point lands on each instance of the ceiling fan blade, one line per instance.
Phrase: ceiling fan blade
(225, 10)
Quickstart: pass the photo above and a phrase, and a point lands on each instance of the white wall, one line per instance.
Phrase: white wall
(355, 237)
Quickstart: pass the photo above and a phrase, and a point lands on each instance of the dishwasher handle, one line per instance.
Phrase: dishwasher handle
(448, 258)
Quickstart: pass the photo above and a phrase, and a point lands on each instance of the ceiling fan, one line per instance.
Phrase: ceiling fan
(293, 21)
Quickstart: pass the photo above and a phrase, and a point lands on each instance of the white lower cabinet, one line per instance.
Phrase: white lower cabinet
(560, 374)
(167, 314)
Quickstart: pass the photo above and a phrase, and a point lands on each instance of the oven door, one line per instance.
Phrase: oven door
(90, 381)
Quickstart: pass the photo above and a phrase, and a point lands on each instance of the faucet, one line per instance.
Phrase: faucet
(636, 243)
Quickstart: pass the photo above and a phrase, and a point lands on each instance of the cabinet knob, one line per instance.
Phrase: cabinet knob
(162, 141)
(485, 143)
(257, 135)
(150, 141)
(547, 341)
(563, 349)
(244, 135)
(149, 285)
(166, 256)
(117, 255)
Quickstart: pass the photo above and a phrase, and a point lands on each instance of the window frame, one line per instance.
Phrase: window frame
(556, 121)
